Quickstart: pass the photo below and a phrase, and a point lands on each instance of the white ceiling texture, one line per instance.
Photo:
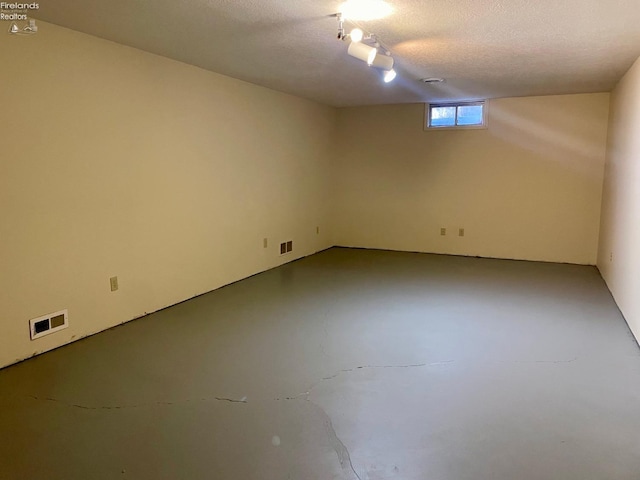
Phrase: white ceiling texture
(482, 48)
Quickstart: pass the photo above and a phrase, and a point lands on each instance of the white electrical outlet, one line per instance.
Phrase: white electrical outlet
(443, 231)
(113, 281)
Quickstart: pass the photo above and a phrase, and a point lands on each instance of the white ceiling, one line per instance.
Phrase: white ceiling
(483, 48)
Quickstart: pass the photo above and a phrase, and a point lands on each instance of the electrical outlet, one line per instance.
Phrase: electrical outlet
(461, 232)
(443, 231)
(114, 283)
(317, 230)
(611, 257)
(265, 243)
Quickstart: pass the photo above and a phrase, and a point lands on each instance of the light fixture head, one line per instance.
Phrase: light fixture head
(365, 9)
(356, 35)
(389, 75)
(372, 56)
(362, 52)
(385, 62)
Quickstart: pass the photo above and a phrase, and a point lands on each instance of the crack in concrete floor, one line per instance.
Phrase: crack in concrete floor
(295, 397)
(341, 450)
(344, 457)
(362, 367)
(415, 365)
(141, 405)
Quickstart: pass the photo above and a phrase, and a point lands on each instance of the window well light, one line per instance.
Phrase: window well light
(389, 75)
(365, 9)
(362, 52)
(356, 35)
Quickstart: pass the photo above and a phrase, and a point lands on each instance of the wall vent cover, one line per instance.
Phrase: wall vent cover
(47, 324)
(286, 247)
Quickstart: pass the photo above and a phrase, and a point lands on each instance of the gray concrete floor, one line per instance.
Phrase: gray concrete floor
(349, 364)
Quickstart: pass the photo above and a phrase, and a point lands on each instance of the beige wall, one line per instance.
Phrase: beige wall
(119, 162)
(528, 187)
(619, 251)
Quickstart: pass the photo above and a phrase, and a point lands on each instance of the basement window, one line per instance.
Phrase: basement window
(456, 115)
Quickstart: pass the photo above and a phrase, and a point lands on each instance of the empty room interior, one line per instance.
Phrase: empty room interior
(320, 240)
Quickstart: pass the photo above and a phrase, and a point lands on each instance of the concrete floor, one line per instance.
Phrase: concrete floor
(350, 364)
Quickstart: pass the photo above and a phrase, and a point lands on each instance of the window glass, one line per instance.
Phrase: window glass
(443, 116)
(456, 115)
(470, 115)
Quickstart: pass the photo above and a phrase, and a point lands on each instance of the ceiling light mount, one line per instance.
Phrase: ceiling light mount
(341, 34)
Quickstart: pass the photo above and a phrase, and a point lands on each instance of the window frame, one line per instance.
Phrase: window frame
(431, 106)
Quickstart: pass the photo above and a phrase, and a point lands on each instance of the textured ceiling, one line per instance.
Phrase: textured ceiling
(483, 48)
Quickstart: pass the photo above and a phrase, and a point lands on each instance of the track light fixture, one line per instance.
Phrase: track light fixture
(383, 61)
(389, 75)
(368, 48)
(356, 35)
(363, 52)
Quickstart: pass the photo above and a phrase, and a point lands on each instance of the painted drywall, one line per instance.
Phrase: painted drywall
(116, 162)
(619, 249)
(527, 187)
